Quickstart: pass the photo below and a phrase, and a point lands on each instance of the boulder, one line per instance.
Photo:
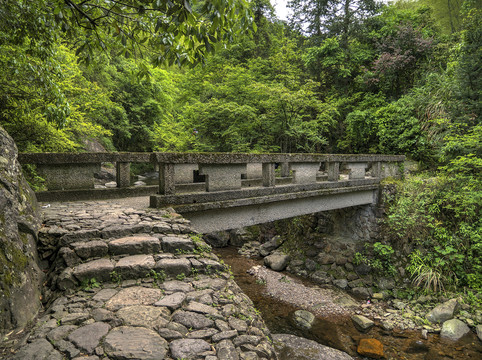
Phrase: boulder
(371, 348)
(271, 245)
(478, 329)
(454, 329)
(218, 239)
(277, 262)
(289, 347)
(386, 284)
(362, 323)
(304, 319)
(20, 275)
(443, 312)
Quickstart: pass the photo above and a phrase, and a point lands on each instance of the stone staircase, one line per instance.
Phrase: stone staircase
(136, 284)
(134, 257)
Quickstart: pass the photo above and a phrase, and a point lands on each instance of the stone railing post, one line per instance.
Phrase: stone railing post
(268, 174)
(333, 170)
(305, 173)
(123, 174)
(377, 169)
(166, 179)
(285, 169)
(357, 170)
(222, 176)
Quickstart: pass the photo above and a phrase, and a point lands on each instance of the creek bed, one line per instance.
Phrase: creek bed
(338, 331)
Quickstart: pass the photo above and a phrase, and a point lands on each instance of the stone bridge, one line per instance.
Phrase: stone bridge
(220, 191)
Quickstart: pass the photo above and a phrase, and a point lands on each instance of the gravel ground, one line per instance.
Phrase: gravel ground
(320, 301)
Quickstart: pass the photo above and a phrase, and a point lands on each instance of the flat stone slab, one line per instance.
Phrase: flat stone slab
(208, 283)
(174, 267)
(174, 244)
(74, 318)
(39, 349)
(188, 348)
(225, 350)
(202, 334)
(87, 337)
(147, 316)
(104, 294)
(135, 295)
(98, 269)
(192, 320)
(173, 301)
(176, 285)
(132, 245)
(203, 309)
(211, 266)
(90, 249)
(135, 266)
(125, 343)
(60, 332)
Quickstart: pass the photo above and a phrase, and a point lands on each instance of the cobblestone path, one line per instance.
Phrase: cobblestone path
(126, 282)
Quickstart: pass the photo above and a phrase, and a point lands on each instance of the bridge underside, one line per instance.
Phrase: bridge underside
(237, 213)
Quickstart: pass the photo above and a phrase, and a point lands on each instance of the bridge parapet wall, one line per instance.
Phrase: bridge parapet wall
(223, 171)
(226, 175)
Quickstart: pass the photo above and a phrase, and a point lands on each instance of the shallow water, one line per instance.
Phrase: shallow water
(339, 332)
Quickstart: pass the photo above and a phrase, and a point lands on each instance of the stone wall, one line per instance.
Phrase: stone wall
(20, 276)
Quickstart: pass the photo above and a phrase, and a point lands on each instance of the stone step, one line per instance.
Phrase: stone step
(133, 267)
(63, 237)
(140, 244)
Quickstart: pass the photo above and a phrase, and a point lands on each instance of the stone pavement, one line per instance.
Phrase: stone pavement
(127, 282)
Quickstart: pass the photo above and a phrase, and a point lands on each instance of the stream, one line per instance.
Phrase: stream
(338, 331)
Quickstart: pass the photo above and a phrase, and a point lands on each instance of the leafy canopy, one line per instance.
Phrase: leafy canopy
(178, 31)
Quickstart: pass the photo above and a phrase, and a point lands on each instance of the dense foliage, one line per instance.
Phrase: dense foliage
(352, 76)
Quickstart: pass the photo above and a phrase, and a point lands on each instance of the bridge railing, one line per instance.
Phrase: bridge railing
(228, 174)
(223, 174)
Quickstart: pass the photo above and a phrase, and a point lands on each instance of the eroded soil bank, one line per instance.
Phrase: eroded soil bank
(278, 295)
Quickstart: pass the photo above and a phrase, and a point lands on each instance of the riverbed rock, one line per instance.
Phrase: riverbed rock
(289, 347)
(362, 323)
(341, 283)
(218, 239)
(386, 284)
(20, 275)
(443, 312)
(266, 248)
(478, 329)
(371, 348)
(304, 319)
(454, 329)
(277, 262)
(417, 346)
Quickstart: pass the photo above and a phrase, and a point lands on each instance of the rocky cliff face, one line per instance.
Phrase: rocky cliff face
(20, 276)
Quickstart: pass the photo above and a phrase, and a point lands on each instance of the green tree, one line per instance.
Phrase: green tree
(319, 19)
(170, 32)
